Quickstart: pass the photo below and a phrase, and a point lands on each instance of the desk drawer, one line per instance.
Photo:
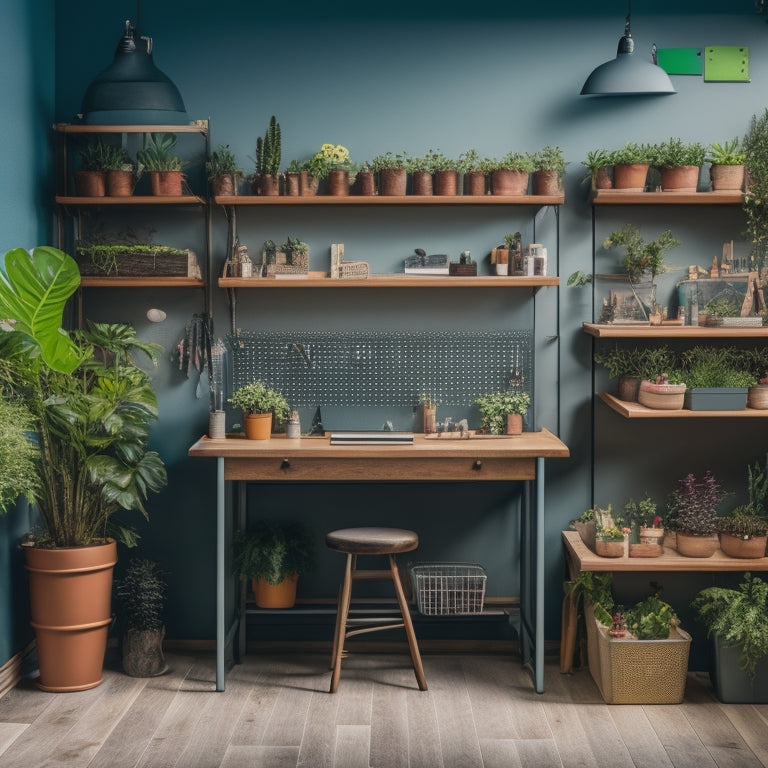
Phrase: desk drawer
(394, 469)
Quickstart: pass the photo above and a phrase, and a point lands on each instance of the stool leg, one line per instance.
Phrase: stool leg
(409, 633)
(341, 624)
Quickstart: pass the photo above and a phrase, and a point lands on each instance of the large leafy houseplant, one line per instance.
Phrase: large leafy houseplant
(92, 406)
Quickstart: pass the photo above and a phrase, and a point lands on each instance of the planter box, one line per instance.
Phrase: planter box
(629, 671)
(716, 399)
(731, 684)
(116, 261)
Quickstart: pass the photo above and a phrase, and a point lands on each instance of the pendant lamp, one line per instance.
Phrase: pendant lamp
(627, 74)
(132, 90)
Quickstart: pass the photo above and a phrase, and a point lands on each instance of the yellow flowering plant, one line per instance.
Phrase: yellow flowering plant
(331, 157)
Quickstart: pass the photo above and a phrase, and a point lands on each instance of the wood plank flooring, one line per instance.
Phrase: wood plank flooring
(480, 712)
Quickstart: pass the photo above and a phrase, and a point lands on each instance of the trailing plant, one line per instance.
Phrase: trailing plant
(257, 397)
(272, 550)
(495, 407)
(676, 152)
(140, 595)
(727, 153)
(739, 617)
(692, 506)
(642, 259)
(19, 454)
(651, 618)
(157, 154)
(269, 149)
(755, 201)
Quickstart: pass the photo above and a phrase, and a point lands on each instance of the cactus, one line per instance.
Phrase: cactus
(269, 150)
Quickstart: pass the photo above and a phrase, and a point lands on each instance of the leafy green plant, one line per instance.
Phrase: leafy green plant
(593, 589)
(642, 513)
(140, 595)
(595, 160)
(468, 161)
(739, 617)
(390, 160)
(19, 454)
(631, 153)
(642, 259)
(651, 619)
(722, 307)
(643, 363)
(295, 246)
(727, 153)
(741, 524)
(158, 153)
(578, 279)
(495, 406)
(676, 152)
(272, 550)
(222, 163)
(92, 155)
(692, 506)
(257, 397)
(549, 159)
(269, 149)
(755, 201)
(116, 158)
(611, 533)
(714, 367)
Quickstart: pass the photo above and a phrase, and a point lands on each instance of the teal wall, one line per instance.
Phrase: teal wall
(409, 76)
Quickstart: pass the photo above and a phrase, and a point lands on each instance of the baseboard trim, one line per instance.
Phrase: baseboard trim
(10, 674)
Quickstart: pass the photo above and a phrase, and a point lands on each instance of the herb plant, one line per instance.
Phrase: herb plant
(692, 506)
(676, 152)
(651, 619)
(257, 397)
(642, 259)
(727, 153)
(495, 406)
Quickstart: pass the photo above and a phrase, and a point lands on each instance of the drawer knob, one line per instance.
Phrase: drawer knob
(285, 464)
(478, 465)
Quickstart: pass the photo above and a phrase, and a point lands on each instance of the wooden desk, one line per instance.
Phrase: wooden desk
(481, 459)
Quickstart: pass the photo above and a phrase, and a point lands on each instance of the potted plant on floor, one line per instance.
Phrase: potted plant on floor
(679, 164)
(502, 412)
(92, 407)
(272, 555)
(140, 596)
(222, 171)
(261, 407)
(164, 166)
(737, 623)
(727, 166)
(692, 512)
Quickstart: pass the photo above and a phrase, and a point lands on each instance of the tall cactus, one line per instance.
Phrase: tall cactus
(269, 149)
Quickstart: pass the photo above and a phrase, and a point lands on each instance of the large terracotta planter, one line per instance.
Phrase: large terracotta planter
(282, 595)
(90, 183)
(735, 546)
(630, 176)
(71, 599)
(697, 546)
(679, 178)
(258, 426)
(505, 181)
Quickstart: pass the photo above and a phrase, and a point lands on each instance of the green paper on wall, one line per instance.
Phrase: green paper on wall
(726, 63)
(680, 61)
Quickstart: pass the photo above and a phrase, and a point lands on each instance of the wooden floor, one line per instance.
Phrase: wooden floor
(479, 711)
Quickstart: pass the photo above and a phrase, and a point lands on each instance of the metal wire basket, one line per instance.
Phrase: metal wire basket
(448, 589)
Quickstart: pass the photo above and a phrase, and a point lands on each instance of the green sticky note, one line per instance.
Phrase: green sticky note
(726, 63)
(680, 61)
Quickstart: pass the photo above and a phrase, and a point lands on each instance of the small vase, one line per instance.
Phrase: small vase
(421, 182)
(338, 183)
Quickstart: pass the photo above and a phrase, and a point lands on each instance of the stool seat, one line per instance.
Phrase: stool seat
(363, 542)
(372, 541)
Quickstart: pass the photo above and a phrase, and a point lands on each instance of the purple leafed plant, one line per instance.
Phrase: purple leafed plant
(693, 504)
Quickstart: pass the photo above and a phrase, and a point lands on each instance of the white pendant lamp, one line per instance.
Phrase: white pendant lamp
(627, 74)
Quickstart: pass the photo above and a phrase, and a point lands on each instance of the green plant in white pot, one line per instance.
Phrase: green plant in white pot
(261, 406)
(496, 407)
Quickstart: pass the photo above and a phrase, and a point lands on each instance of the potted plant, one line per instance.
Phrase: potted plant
(715, 378)
(609, 541)
(445, 174)
(727, 165)
(92, 407)
(679, 164)
(755, 144)
(140, 596)
(496, 409)
(548, 171)
(261, 406)
(744, 532)
(90, 180)
(222, 171)
(420, 170)
(391, 171)
(268, 157)
(427, 413)
(692, 513)
(158, 158)
(474, 178)
(737, 623)
(584, 525)
(510, 174)
(642, 516)
(365, 181)
(272, 555)
(630, 365)
(19, 454)
(598, 165)
(630, 166)
(119, 171)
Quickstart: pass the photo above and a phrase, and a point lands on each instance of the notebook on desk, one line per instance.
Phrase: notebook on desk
(372, 438)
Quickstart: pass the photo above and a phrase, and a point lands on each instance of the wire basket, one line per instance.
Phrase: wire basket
(448, 589)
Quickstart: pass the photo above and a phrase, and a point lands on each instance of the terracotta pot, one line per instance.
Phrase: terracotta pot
(507, 182)
(726, 178)
(757, 397)
(269, 184)
(142, 652)
(70, 598)
(308, 185)
(167, 183)
(735, 546)
(258, 426)
(474, 183)
(546, 183)
(282, 595)
(120, 183)
(514, 424)
(697, 546)
(292, 184)
(421, 182)
(224, 185)
(392, 181)
(364, 184)
(338, 183)
(629, 386)
(604, 178)
(90, 183)
(630, 176)
(679, 178)
(609, 548)
(446, 183)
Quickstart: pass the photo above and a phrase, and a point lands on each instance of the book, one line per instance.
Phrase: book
(372, 438)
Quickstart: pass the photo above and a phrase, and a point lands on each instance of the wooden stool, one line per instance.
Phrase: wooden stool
(372, 541)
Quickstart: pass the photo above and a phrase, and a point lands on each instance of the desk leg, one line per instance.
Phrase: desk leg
(220, 580)
(539, 586)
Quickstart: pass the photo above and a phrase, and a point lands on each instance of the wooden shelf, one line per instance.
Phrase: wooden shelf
(584, 559)
(637, 411)
(320, 280)
(131, 200)
(141, 282)
(619, 197)
(196, 126)
(391, 200)
(602, 331)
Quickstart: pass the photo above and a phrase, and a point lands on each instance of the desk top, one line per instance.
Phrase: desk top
(542, 444)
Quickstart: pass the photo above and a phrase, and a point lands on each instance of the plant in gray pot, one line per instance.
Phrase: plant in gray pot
(716, 379)
(140, 595)
(737, 622)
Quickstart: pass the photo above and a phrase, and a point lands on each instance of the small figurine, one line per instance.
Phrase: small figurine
(619, 626)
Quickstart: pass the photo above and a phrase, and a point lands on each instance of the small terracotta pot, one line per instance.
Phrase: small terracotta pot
(308, 185)
(120, 183)
(258, 426)
(629, 386)
(90, 183)
(546, 183)
(604, 178)
(167, 183)
(679, 178)
(505, 181)
(421, 182)
(282, 595)
(364, 184)
(224, 185)
(393, 181)
(474, 183)
(446, 183)
(726, 178)
(292, 184)
(338, 183)
(269, 184)
(630, 176)
(514, 424)
(697, 546)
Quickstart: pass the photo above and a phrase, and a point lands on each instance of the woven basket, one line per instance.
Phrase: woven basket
(757, 397)
(629, 671)
(667, 397)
